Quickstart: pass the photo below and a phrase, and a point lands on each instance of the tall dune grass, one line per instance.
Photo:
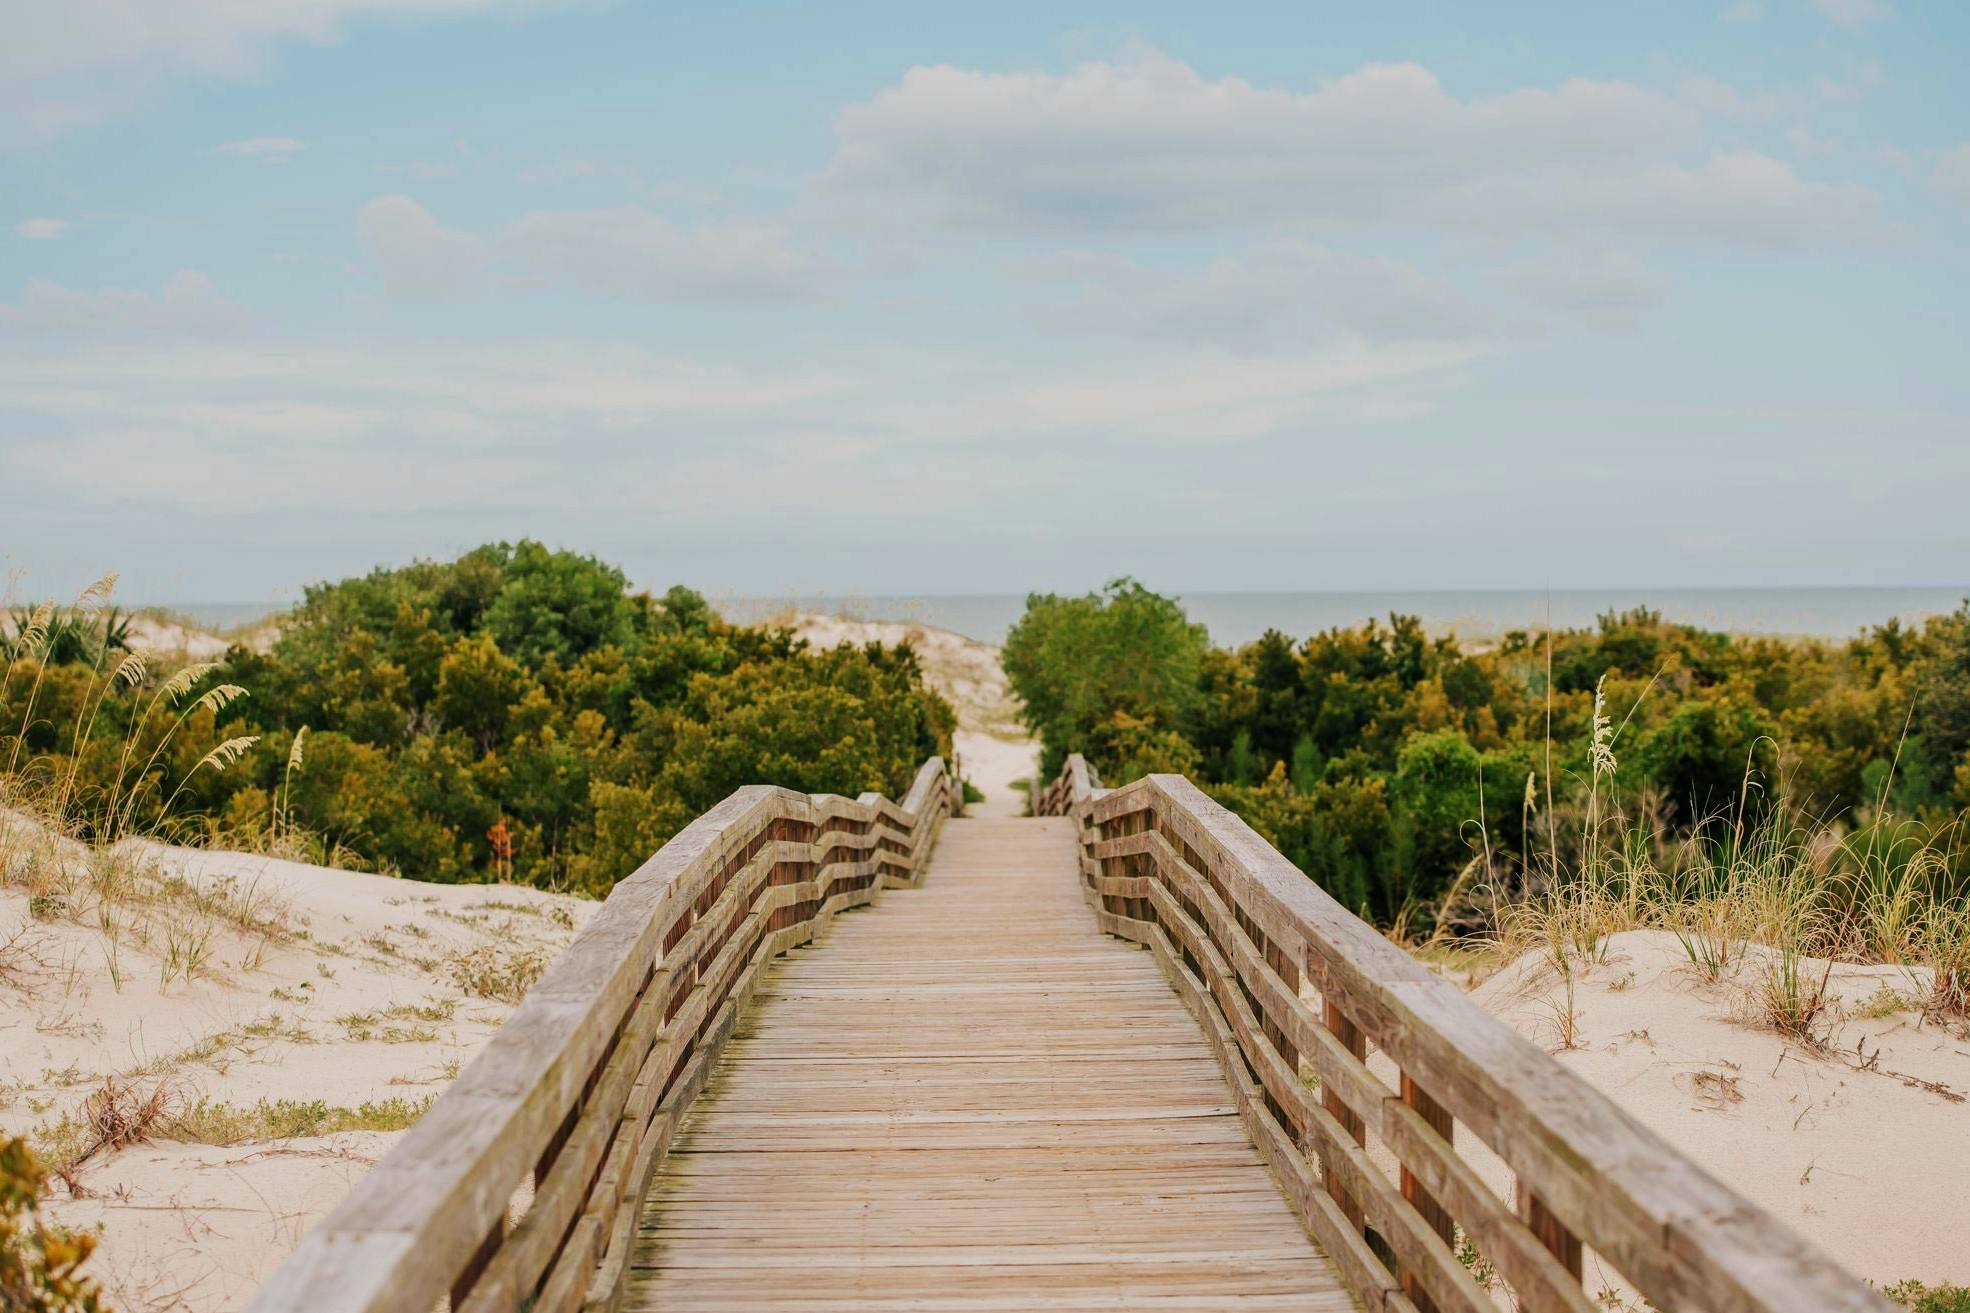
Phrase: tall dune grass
(109, 772)
(1766, 881)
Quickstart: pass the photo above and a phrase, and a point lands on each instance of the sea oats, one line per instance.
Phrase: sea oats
(181, 683)
(225, 754)
(37, 628)
(217, 698)
(92, 598)
(130, 671)
(1602, 750)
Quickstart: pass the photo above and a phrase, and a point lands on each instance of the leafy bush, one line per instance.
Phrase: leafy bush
(40, 1264)
(515, 713)
(1079, 663)
(1385, 762)
(1921, 1298)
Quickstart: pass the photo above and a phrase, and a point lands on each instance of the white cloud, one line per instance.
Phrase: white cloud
(1189, 398)
(1951, 176)
(41, 230)
(380, 426)
(416, 254)
(1851, 13)
(1149, 145)
(1278, 295)
(186, 305)
(273, 150)
(632, 253)
(625, 252)
(466, 428)
(1581, 280)
(67, 63)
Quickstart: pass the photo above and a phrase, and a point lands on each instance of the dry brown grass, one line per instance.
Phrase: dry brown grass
(496, 972)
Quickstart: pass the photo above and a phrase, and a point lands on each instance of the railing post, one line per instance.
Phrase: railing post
(1433, 1213)
(1550, 1231)
(1351, 1039)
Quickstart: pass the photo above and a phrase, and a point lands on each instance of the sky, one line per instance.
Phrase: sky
(905, 298)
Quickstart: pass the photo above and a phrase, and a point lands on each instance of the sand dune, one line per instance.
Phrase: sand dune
(253, 997)
(993, 747)
(1860, 1140)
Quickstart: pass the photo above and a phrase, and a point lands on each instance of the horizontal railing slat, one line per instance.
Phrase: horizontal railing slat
(586, 1080)
(1166, 865)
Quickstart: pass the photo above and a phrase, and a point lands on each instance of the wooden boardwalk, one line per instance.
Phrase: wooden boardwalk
(736, 1091)
(971, 1099)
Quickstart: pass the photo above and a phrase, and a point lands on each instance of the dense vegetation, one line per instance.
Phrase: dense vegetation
(514, 713)
(1391, 765)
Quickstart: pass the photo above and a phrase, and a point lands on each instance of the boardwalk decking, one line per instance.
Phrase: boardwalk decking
(971, 1099)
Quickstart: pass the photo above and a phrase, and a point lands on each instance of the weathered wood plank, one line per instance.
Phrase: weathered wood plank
(681, 930)
(973, 1091)
(1588, 1172)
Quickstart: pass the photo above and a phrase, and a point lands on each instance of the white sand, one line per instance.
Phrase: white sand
(169, 638)
(301, 1018)
(1842, 1142)
(993, 748)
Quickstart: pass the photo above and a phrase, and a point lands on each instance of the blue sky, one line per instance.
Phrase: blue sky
(886, 298)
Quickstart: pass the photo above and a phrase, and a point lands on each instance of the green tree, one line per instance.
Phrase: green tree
(557, 605)
(1077, 661)
(1939, 730)
(1434, 795)
(478, 684)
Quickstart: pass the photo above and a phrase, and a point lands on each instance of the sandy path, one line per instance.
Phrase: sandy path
(993, 747)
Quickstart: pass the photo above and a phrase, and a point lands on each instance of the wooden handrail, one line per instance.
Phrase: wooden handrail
(1237, 928)
(520, 1188)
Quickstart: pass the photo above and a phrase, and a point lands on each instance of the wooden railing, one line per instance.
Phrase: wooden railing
(520, 1188)
(1239, 930)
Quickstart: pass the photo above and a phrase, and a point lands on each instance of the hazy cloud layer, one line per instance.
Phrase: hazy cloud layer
(1951, 175)
(271, 150)
(63, 64)
(632, 253)
(186, 306)
(625, 252)
(1148, 145)
(1851, 13)
(1273, 296)
(414, 253)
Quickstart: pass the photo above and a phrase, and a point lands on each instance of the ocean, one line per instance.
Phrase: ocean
(1476, 616)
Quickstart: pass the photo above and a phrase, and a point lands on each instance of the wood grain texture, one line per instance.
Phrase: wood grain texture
(578, 1096)
(1164, 864)
(972, 1100)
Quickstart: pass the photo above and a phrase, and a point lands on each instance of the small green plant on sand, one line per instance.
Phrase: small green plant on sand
(1920, 1298)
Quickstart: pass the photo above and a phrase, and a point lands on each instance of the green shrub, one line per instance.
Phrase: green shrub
(1078, 662)
(40, 1264)
(1922, 1298)
(1383, 761)
(512, 714)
